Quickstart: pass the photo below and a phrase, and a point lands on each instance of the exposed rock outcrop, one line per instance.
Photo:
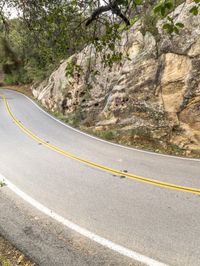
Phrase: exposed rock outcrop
(152, 98)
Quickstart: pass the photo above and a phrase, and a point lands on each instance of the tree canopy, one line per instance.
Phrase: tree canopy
(47, 31)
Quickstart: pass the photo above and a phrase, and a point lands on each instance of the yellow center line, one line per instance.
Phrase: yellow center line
(150, 181)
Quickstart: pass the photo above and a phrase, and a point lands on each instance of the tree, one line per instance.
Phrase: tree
(49, 31)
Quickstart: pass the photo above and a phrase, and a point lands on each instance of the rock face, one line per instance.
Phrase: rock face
(153, 98)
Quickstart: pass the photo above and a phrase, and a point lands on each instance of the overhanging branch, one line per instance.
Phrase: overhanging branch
(113, 7)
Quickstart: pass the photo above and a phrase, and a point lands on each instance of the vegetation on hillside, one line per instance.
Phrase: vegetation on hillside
(45, 32)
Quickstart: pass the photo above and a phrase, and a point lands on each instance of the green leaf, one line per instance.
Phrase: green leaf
(112, 46)
(176, 30)
(138, 2)
(180, 25)
(168, 27)
(133, 20)
(169, 5)
(157, 9)
(170, 19)
(197, 1)
(116, 26)
(194, 10)
(2, 183)
(162, 11)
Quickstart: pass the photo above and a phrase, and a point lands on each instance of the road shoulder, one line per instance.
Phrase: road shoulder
(47, 242)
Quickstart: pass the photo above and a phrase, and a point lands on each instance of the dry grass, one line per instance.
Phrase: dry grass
(10, 256)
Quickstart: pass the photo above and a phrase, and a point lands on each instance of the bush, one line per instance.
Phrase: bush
(17, 77)
(11, 79)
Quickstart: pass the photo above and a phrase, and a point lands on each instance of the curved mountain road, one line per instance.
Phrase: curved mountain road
(152, 209)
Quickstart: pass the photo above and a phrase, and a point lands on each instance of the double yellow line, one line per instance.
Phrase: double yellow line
(95, 165)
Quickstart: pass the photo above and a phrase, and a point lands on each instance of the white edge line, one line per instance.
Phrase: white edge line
(111, 143)
(84, 232)
(102, 140)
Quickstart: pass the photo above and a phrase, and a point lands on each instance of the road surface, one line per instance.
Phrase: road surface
(153, 209)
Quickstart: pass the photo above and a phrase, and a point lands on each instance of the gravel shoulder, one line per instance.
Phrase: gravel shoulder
(10, 256)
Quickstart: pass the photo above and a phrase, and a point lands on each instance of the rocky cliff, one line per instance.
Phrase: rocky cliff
(151, 100)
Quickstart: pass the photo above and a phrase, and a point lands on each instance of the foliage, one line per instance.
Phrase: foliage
(2, 183)
(163, 7)
(107, 134)
(39, 40)
(171, 27)
(195, 9)
(4, 261)
(73, 69)
(46, 32)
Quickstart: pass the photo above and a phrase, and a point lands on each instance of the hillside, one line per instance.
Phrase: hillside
(151, 100)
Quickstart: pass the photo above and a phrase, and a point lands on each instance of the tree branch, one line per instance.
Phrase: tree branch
(97, 13)
(113, 7)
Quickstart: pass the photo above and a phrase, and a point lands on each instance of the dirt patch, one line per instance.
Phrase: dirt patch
(10, 256)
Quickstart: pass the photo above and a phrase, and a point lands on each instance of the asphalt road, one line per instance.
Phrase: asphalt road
(149, 218)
